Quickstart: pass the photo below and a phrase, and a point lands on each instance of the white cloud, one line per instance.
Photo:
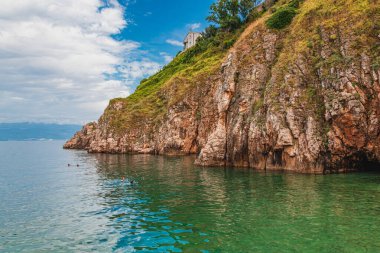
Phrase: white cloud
(174, 42)
(58, 61)
(194, 26)
(167, 58)
(139, 69)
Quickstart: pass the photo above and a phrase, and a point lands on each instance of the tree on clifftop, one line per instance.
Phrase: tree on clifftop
(246, 7)
(225, 13)
(230, 14)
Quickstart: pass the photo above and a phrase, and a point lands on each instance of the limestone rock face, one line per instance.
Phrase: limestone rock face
(278, 101)
(82, 138)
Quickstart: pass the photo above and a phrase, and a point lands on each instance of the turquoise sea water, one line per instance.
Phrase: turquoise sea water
(174, 206)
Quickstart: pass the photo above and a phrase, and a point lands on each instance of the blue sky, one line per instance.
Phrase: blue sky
(159, 27)
(153, 22)
(62, 61)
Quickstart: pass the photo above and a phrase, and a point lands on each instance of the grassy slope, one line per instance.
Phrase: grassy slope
(345, 15)
(149, 103)
(151, 99)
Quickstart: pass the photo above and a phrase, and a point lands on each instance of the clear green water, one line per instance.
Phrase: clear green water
(173, 206)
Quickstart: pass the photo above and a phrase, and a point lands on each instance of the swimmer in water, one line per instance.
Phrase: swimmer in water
(68, 165)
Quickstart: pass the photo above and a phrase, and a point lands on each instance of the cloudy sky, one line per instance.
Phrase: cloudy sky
(61, 61)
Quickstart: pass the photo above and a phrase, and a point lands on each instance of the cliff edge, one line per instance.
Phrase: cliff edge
(304, 98)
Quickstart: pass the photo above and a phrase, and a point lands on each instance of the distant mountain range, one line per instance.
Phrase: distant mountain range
(36, 131)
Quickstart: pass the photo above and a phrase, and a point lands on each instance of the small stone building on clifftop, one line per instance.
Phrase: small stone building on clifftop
(191, 40)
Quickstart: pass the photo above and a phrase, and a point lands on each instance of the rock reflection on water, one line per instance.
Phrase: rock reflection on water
(178, 207)
(174, 206)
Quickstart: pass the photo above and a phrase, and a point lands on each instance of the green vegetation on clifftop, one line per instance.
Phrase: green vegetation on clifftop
(150, 102)
(151, 99)
(301, 23)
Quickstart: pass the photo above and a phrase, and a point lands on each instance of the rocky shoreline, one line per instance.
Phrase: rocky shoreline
(309, 108)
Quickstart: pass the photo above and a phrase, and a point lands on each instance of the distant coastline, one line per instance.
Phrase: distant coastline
(26, 131)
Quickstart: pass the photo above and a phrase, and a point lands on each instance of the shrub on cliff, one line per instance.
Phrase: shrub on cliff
(281, 18)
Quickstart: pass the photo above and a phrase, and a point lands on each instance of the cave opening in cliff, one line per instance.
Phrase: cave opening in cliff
(360, 162)
(367, 166)
(277, 157)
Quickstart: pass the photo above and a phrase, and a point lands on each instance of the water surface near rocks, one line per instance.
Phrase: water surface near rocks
(173, 206)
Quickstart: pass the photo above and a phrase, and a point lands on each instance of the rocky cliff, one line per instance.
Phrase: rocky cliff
(304, 98)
